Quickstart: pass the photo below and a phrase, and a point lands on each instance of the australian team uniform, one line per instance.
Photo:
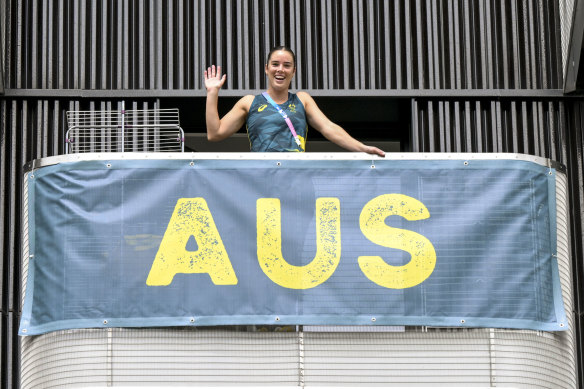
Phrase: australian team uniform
(267, 130)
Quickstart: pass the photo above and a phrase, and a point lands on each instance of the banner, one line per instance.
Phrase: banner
(143, 243)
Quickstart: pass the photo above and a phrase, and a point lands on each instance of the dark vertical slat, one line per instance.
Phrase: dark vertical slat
(525, 129)
(478, 131)
(264, 41)
(420, 48)
(527, 37)
(5, 132)
(140, 69)
(159, 46)
(484, 42)
(409, 53)
(328, 55)
(308, 15)
(458, 64)
(33, 39)
(552, 131)
(37, 141)
(74, 37)
(118, 30)
(5, 48)
(534, 128)
(457, 128)
(385, 54)
(82, 45)
(448, 127)
(104, 47)
(415, 127)
(468, 129)
(430, 52)
(92, 57)
(45, 55)
(490, 41)
(499, 128)
(515, 39)
(18, 48)
(229, 43)
(505, 69)
(431, 129)
(398, 46)
(442, 128)
(203, 41)
(542, 46)
(514, 127)
(359, 60)
(256, 38)
(246, 47)
(180, 45)
(542, 133)
(468, 55)
(370, 82)
(170, 46)
(5, 129)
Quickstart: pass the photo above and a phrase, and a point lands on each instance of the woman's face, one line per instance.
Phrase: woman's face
(280, 69)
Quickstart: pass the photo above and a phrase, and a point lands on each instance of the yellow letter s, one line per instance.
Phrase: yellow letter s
(372, 223)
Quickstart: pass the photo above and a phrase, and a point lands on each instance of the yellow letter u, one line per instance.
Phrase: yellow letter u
(328, 245)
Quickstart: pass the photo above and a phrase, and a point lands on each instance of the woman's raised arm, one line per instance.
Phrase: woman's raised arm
(218, 129)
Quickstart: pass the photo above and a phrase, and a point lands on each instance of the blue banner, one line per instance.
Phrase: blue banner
(140, 243)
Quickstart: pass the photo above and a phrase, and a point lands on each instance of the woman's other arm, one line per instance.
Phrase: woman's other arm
(332, 131)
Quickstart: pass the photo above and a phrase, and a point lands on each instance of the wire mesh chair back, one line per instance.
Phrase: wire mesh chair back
(148, 130)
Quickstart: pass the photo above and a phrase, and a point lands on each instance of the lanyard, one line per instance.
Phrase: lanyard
(286, 118)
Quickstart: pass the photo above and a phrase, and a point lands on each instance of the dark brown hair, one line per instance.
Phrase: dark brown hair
(283, 48)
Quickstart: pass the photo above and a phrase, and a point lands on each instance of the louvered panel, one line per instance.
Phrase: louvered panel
(369, 359)
(172, 357)
(566, 16)
(528, 127)
(119, 357)
(426, 44)
(25, 134)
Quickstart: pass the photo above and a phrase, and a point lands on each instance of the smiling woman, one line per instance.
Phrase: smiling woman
(276, 120)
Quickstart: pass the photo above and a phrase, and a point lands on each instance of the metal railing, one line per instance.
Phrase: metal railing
(147, 130)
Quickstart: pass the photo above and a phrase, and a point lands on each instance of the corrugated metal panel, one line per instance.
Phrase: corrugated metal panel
(138, 44)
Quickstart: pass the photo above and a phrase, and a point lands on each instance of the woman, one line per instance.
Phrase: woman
(279, 124)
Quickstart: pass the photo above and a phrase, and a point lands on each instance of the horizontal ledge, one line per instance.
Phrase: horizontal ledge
(191, 156)
(190, 93)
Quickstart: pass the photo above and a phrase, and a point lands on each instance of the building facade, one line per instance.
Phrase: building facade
(484, 76)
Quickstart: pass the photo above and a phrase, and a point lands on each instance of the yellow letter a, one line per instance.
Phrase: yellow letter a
(328, 245)
(191, 217)
(372, 223)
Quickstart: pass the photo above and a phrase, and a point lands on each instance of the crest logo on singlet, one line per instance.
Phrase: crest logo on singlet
(292, 108)
(262, 107)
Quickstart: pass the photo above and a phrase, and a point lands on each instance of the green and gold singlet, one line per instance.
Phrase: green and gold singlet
(267, 130)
